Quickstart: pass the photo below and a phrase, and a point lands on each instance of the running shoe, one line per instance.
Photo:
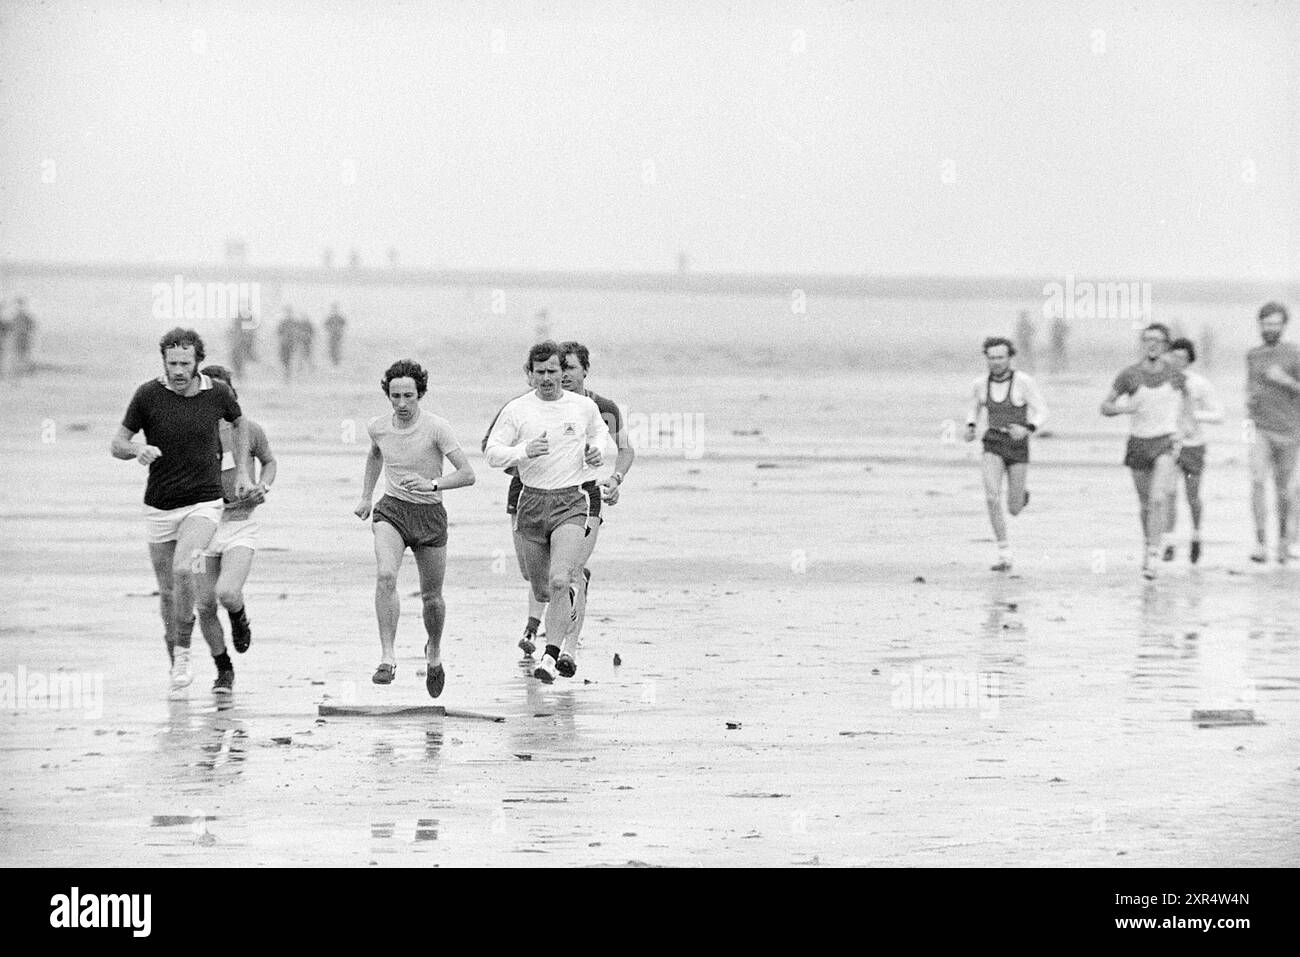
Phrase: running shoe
(434, 680)
(1259, 555)
(545, 671)
(1149, 568)
(384, 674)
(181, 674)
(526, 643)
(1195, 554)
(241, 635)
(1003, 565)
(1169, 553)
(225, 683)
(566, 666)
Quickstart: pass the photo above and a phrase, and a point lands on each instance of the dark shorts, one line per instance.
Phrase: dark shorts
(1005, 447)
(542, 511)
(1191, 459)
(592, 489)
(421, 526)
(1141, 454)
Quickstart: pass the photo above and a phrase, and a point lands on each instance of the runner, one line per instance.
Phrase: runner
(229, 556)
(1152, 392)
(409, 445)
(1014, 408)
(550, 435)
(1273, 406)
(287, 330)
(1201, 406)
(576, 361)
(179, 414)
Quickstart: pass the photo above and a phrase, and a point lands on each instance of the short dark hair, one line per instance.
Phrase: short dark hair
(179, 338)
(222, 373)
(572, 348)
(541, 352)
(407, 369)
(1161, 328)
(1269, 308)
(1184, 345)
(992, 341)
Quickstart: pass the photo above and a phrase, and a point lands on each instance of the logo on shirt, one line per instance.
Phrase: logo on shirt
(570, 428)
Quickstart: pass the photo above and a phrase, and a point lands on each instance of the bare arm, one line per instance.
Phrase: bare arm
(461, 478)
(239, 439)
(122, 447)
(1112, 406)
(973, 414)
(374, 463)
(1036, 412)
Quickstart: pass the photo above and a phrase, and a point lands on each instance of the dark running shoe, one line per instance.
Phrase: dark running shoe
(434, 680)
(566, 666)
(1169, 553)
(1196, 552)
(527, 645)
(225, 683)
(241, 635)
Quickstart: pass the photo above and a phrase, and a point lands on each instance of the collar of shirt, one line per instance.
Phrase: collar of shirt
(205, 382)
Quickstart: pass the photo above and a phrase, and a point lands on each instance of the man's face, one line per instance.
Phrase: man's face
(1154, 343)
(546, 378)
(574, 377)
(1179, 359)
(179, 365)
(1270, 328)
(404, 398)
(999, 358)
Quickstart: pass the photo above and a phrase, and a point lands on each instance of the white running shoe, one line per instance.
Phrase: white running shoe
(545, 671)
(181, 673)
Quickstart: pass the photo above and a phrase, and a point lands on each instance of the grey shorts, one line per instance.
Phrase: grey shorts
(541, 511)
(420, 525)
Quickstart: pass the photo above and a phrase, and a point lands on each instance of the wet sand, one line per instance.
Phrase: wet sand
(790, 693)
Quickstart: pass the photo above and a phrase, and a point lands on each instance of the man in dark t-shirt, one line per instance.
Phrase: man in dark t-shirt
(179, 413)
(1273, 409)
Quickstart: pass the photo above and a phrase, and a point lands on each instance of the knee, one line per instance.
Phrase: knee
(206, 606)
(182, 574)
(433, 601)
(1015, 506)
(386, 580)
(230, 597)
(559, 582)
(993, 499)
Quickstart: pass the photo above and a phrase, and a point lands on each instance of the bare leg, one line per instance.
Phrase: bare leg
(205, 595)
(1259, 468)
(1193, 484)
(187, 564)
(389, 549)
(1142, 483)
(1161, 478)
(235, 565)
(1016, 475)
(993, 469)
(160, 556)
(573, 640)
(565, 571)
(432, 565)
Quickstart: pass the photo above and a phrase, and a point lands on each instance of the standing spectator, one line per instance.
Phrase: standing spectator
(334, 325)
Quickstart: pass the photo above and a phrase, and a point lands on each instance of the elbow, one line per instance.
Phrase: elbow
(470, 477)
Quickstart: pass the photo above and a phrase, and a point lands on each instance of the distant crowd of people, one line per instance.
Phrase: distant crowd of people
(297, 340)
(18, 331)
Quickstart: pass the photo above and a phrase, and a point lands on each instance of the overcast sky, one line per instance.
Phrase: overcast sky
(1025, 138)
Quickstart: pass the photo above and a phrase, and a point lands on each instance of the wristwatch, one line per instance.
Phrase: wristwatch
(618, 476)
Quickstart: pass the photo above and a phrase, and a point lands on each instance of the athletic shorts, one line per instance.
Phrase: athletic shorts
(421, 525)
(592, 489)
(542, 511)
(1270, 451)
(1007, 448)
(241, 533)
(1141, 454)
(1191, 459)
(164, 524)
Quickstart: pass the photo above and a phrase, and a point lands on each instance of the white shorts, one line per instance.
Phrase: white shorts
(241, 533)
(164, 524)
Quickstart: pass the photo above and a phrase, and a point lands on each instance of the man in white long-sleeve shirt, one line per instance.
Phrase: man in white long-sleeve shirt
(548, 434)
(1014, 409)
(1201, 405)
